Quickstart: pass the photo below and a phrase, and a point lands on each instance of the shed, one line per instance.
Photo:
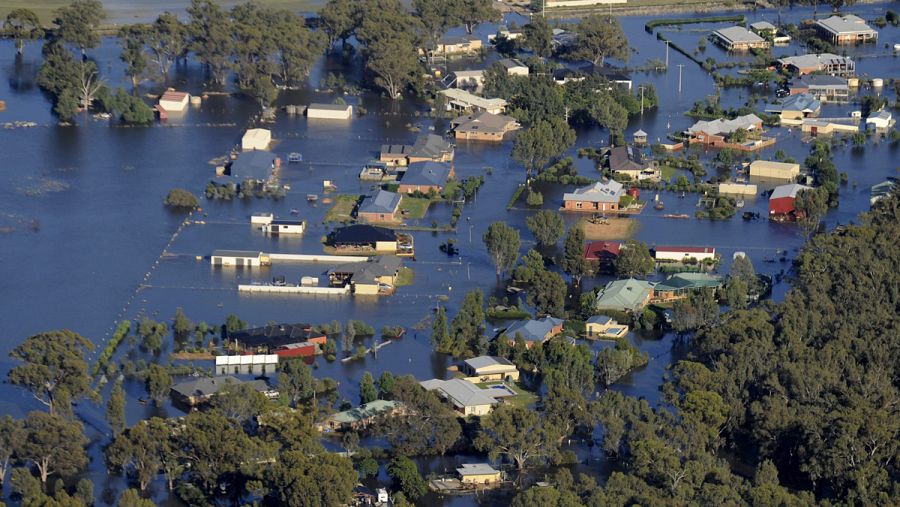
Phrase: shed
(329, 111)
(782, 202)
(174, 101)
(282, 226)
(256, 139)
(640, 137)
(478, 473)
(487, 368)
(769, 169)
(238, 258)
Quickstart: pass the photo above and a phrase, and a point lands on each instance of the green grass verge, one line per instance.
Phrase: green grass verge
(342, 209)
(415, 207)
(515, 196)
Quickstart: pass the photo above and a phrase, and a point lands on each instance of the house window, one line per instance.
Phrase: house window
(577, 205)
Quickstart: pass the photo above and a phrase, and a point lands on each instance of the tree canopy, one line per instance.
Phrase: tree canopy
(53, 367)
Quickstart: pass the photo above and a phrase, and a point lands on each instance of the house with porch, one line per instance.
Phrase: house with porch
(681, 285)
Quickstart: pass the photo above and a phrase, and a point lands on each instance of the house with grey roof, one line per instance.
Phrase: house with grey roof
(628, 295)
(483, 126)
(848, 29)
(629, 161)
(794, 108)
(362, 416)
(486, 368)
(466, 397)
(381, 207)
(514, 67)
(738, 38)
(599, 196)
(430, 148)
(202, 389)
(822, 87)
(534, 330)
(425, 177)
(827, 63)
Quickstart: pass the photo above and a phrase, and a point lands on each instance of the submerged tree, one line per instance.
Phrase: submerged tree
(502, 243)
(547, 226)
(167, 40)
(211, 32)
(600, 37)
(53, 367)
(55, 446)
(78, 23)
(22, 25)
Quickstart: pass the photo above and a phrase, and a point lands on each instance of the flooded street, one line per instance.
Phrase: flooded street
(86, 241)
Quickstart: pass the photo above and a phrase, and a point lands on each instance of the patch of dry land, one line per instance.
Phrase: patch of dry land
(608, 229)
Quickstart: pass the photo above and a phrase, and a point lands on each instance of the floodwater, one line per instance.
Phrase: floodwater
(86, 241)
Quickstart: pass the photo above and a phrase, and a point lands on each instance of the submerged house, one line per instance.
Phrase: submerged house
(253, 165)
(600, 196)
(680, 285)
(173, 101)
(684, 253)
(478, 473)
(629, 161)
(329, 111)
(284, 226)
(362, 416)
(795, 108)
(848, 29)
(283, 340)
(201, 390)
(425, 177)
(461, 100)
(375, 277)
(483, 127)
(362, 238)
(466, 397)
(826, 63)
(782, 202)
(534, 330)
(823, 88)
(381, 207)
(239, 258)
(603, 254)
(717, 133)
(738, 38)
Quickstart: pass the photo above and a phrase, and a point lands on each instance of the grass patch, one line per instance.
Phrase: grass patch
(415, 207)
(342, 209)
(404, 277)
(522, 398)
(614, 228)
(515, 196)
(667, 172)
(509, 314)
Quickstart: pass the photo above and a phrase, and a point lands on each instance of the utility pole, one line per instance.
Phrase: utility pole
(680, 66)
(667, 54)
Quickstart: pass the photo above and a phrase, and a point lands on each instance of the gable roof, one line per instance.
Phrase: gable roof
(801, 102)
(430, 146)
(467, 99)
(627, 294)
(365, 411)
(511, 63)
(821, 81)
(370, 271)
(601, 191)
(595, 250)
(819, 61)
(791, 190)
(382, 202)
(427, 174)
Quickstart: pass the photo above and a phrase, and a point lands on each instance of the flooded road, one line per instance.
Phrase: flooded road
(86, 241)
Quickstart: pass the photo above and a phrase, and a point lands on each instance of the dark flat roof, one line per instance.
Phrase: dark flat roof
(360, 234)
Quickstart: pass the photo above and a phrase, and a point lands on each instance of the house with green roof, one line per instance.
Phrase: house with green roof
(629, 295)
(361, 416)
(680, 285)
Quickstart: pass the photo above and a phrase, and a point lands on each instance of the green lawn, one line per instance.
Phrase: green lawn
(404, 277)
(342, 209)
(522, 398)
(667, 172)
(415, 207)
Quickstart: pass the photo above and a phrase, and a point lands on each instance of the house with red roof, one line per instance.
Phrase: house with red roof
(683, 253)
(603, 254)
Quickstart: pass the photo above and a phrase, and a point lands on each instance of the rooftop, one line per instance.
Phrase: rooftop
(237, 253)
(460, 392)
(368, 272)
(329, 107)
(689, 249)
(206, 386)
(361, 234)
(255, 164)
(467, 99)
(598, 249)
(427, 174)
(627, 294)
(479, 362)
(787, 190)
(275, 335)
(247, 359)
(762, 25)
(738, 35)
(848, 24)
(681, 281)
(801, 102)
(626, 158)
(601, 320)
(484, 122)
(722, 126)
(821, 80)
(815, 61)
(430, 146)
(601, 191)
(476, 469)
(382, 202)
(511, 63)
(532, 330)
(365, 411)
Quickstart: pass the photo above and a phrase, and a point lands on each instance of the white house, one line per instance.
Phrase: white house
(238, 258)
(256, 364)
(256, 139)
(284, 227)
(261, 218)
(682, 253)
(462, 100)
(174, 101)
(881, 120)
(330, 111)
